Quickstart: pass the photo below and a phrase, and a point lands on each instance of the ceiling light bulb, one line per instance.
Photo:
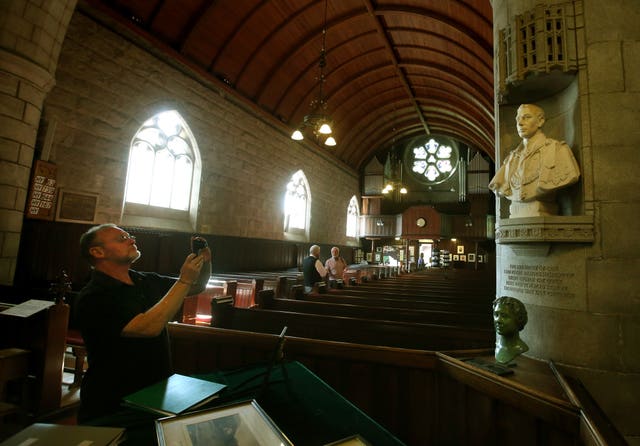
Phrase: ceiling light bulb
(403, 190)
(325, 129)
(385, 191)
(297, 135)
(330, 141)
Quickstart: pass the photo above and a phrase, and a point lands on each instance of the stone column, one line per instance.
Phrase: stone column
(577, 273)
(31, 35)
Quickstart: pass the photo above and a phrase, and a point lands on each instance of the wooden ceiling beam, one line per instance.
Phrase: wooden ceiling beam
(396, 65)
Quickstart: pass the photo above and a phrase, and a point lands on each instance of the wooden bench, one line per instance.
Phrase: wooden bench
(484, 319)
(426, 291)
(390, 301)
(196, 309)
(352, 329)
(250, 283)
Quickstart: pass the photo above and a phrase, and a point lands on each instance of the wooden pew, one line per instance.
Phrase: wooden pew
(252, 282)
(43, 335)
(390, 301)
(400, 284)
(423, 397)
(439, 317)
(196, 309)
(352, 329)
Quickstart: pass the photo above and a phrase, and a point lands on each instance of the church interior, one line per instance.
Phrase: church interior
(379, 127)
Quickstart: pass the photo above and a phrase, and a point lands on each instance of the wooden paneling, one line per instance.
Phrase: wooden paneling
(433, 228)
(48, 247)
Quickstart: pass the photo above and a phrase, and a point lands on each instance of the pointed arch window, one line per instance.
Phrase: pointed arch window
(161, 163)
(296, 204)
(163, 174)
(353, 214)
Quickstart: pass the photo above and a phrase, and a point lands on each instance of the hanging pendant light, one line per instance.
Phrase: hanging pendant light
(317, 121)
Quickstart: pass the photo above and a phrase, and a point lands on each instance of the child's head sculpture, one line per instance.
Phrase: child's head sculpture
(509, 318)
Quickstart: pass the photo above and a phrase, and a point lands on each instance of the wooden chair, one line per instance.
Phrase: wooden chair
(62, 291)
(14, 369)
(75, 343)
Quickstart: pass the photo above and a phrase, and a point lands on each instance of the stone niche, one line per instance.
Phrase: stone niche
(537, 52)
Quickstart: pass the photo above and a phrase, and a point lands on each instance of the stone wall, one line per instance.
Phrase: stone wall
(106, 87)
(31, 35)
(582, 297)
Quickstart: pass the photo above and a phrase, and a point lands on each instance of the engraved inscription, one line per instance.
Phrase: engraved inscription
(538, 280)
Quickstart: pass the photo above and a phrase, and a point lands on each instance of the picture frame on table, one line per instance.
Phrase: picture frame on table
(456, 257)
(243, 424)
(463, 258)
(353, 440)
(471, 257)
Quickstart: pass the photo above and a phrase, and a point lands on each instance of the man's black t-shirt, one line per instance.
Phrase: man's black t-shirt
(119, 365)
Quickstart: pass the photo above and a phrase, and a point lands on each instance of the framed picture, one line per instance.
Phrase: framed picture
(471, 257)
(77, 207)
(463, 258)
(241, 424)
(480, 259)
(456, 257)
(369, 257)
(461, 249)
(354, 440)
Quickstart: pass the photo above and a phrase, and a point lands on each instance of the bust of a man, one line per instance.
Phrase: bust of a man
(509, 318)
(532, 173)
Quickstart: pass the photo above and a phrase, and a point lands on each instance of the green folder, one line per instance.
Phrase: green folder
(174, 395)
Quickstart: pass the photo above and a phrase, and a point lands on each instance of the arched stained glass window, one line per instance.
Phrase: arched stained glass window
(353, 213)
(296, 203)
(161, 163)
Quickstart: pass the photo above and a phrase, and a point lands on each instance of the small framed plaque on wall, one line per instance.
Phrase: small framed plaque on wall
(76, 207)
(42, 191)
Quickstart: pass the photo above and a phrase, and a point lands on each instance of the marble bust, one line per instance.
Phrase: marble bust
(532, 173)
(509, 318)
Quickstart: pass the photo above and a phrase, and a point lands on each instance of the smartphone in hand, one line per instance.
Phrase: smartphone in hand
(198, 243)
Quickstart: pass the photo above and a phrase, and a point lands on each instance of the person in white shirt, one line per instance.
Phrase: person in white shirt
(335, 266)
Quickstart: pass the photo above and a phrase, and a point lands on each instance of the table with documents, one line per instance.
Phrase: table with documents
(305, 408)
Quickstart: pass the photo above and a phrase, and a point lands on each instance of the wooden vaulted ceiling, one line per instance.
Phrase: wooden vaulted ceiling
(394, 68)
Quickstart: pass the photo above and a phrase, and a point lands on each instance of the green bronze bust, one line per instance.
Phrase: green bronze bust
(509, 318)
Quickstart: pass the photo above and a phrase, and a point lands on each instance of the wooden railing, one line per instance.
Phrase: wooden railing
(423, 397)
